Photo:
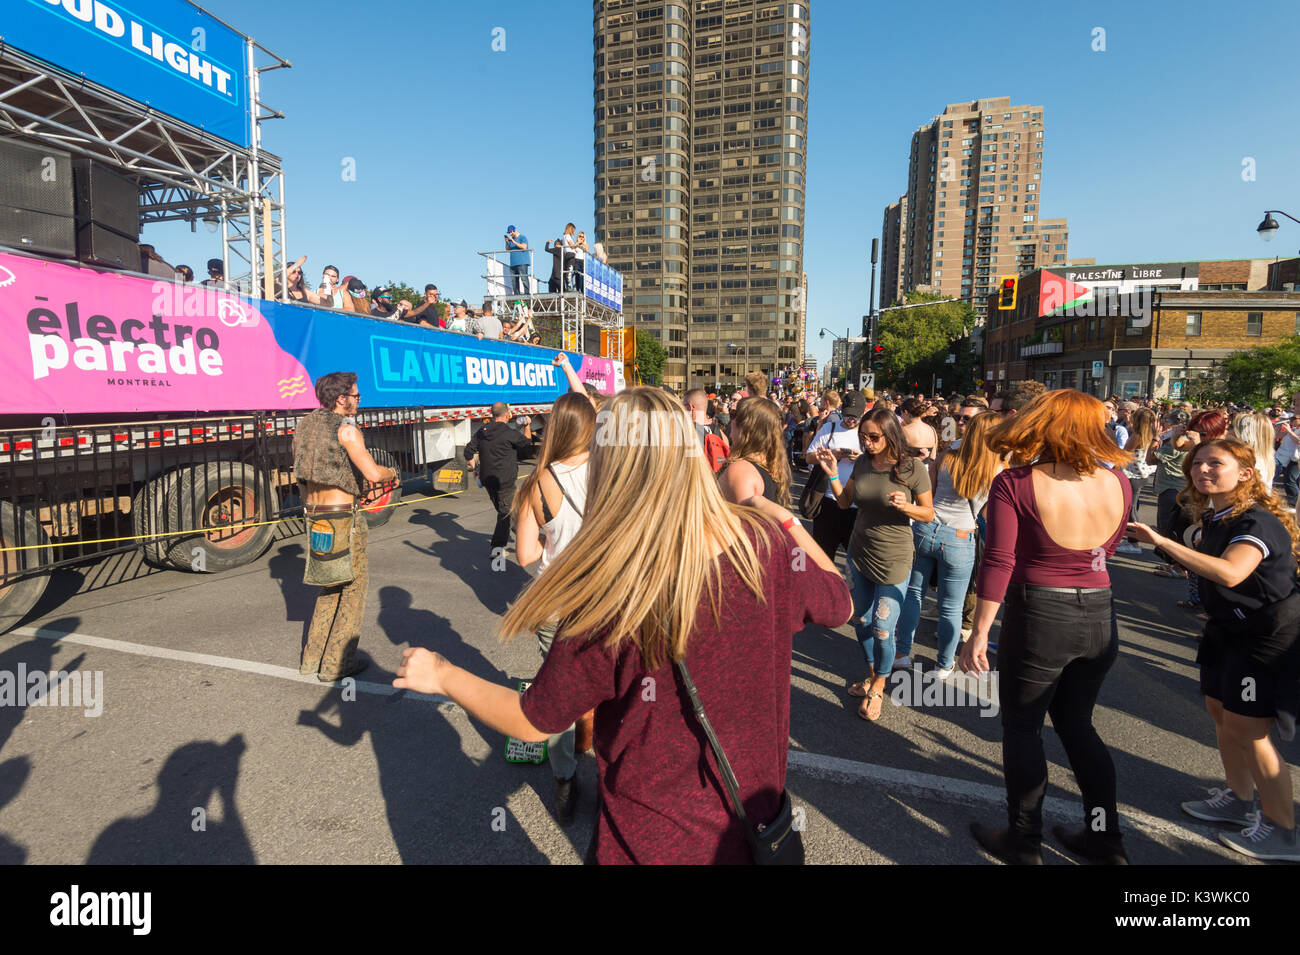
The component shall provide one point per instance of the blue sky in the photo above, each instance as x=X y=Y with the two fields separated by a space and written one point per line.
x=452 y=141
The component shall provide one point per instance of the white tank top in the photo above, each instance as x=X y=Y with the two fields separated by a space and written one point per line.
x=565 y=523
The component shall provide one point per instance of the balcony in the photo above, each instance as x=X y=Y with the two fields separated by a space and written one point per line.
x=1043 y=348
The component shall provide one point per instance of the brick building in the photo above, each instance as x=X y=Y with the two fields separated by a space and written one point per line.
x=1147 y=329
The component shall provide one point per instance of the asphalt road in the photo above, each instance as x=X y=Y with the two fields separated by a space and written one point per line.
x=211 y=748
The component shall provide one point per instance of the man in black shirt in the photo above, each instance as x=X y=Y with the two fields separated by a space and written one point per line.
x=556 y=249
x=497 y=446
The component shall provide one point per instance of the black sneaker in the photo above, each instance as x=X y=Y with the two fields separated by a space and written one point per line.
x=1006 y=846
x=566 y=799
x=1086 y=843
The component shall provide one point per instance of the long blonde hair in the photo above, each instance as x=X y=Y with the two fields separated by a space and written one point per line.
x=974 y=465
x=640 y=565
x=1256 y=432
x=1142 y=430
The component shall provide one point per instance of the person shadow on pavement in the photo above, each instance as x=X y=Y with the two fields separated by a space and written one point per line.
x=287 y=567
x=178 y=830
x=494 y=580
x=443 y=805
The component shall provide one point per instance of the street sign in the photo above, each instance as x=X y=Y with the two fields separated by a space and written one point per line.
x=868 y=380
x=938 y=385
x=979 y=382
x=1098 y=369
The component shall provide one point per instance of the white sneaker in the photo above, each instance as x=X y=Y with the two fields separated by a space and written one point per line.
x=903 y=663
x=942 y=673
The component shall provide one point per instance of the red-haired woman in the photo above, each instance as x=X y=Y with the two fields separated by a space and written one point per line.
x=1250 y=654
x=1054 y=516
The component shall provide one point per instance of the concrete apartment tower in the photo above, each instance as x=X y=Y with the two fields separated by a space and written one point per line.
x=700 y=147
x=971 y=213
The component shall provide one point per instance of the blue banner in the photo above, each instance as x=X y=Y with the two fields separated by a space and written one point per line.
x=602 y=284
x=165 y=54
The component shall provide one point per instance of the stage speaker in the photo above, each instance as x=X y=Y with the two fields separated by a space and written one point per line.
x=36 y=199
x=105 y=198
x=97 y=245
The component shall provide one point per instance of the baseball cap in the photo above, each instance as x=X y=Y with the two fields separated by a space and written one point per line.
x=509 y=229
x=462 y=304
x=854 y=405
x=1179 y=416
x=869 y=394
x=216 y=264
x=380 y=291
x=355 y=285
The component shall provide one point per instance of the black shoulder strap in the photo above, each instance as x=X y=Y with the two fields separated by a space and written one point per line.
x=555 y=477
x=546 y=510
x=728 y=777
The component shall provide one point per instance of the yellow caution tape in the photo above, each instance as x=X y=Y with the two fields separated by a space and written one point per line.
x=209 y=530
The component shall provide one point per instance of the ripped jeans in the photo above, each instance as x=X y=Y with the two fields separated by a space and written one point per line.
x=876 y=609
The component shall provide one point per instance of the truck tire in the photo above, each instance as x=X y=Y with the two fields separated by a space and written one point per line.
x=149 y=514
x=20 y=528
x=378 y=513
x=216 y=495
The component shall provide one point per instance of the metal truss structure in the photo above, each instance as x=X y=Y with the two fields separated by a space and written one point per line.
x=573 y=311
x=183 y=172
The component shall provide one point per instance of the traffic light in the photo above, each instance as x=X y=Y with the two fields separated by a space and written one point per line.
x=1007 y=294
x=878 y=357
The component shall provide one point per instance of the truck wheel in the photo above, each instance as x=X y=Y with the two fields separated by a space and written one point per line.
x=19 y=528
x=212 y=497
x=148 y=517
x=378 y=513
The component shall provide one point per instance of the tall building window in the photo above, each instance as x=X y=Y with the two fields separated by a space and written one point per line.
x=1254 y=324
x=1193 y=323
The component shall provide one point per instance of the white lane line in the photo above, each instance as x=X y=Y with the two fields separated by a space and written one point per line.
x=816 y=765
x=207 y=659
x=835 y=769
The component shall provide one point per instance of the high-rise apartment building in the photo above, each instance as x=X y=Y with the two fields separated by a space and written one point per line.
x=971 y=214
x=700 y=134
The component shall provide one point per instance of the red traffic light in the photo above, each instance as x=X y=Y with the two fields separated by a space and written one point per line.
x=1007 y=294
x=879 y=349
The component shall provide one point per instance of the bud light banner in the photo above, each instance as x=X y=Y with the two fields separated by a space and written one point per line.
x=79 y=340
x=602 y=284
x=166 y=54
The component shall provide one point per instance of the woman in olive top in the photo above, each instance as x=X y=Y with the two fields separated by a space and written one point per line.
x=890 y=488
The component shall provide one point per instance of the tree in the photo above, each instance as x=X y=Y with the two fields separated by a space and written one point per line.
x=1256 y=375
x=650 y=358
x=404 y=293
x=917 y=342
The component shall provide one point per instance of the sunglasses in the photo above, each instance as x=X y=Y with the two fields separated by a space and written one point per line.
x=873 y=438
x=967 y=417
x=356 y=396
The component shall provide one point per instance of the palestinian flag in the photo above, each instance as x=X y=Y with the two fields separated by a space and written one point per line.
x=1057 y=293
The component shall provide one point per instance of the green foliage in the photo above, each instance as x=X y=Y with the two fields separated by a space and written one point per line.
x=1257 y=375
x=404 y=292
x=650 y=357
x=918 y=340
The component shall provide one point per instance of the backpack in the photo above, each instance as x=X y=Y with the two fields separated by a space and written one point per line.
x=716 y=448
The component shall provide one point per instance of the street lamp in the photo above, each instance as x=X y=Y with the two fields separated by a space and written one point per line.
x=1268 y=228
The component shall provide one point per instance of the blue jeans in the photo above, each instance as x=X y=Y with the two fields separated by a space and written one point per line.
x=1290 y=473
x=519 y=279
x=875 y=615
x=939 y=545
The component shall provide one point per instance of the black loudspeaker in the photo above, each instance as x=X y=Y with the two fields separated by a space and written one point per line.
x=105 y=198
x=99 y=246
x=36 y=199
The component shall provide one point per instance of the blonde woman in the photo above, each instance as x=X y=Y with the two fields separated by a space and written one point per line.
x=1256 y=432
x=947 y=543
x=662 y=570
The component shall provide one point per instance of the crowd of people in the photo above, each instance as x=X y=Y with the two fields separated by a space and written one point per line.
x=1008 y=506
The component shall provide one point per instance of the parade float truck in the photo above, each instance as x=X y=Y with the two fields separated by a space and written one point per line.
x=159 y=415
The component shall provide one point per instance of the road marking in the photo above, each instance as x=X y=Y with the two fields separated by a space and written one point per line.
x=815 y=765
x=835 y=769
x=207 y=659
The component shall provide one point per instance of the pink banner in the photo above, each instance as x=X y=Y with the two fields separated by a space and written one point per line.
x=77 y=339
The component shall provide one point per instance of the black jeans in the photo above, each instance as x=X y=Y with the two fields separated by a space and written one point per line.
x=503 y=497
x=833 y=526
x=1054 y=651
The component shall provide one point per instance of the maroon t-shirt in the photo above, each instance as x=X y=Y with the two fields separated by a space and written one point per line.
x=662 y=796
